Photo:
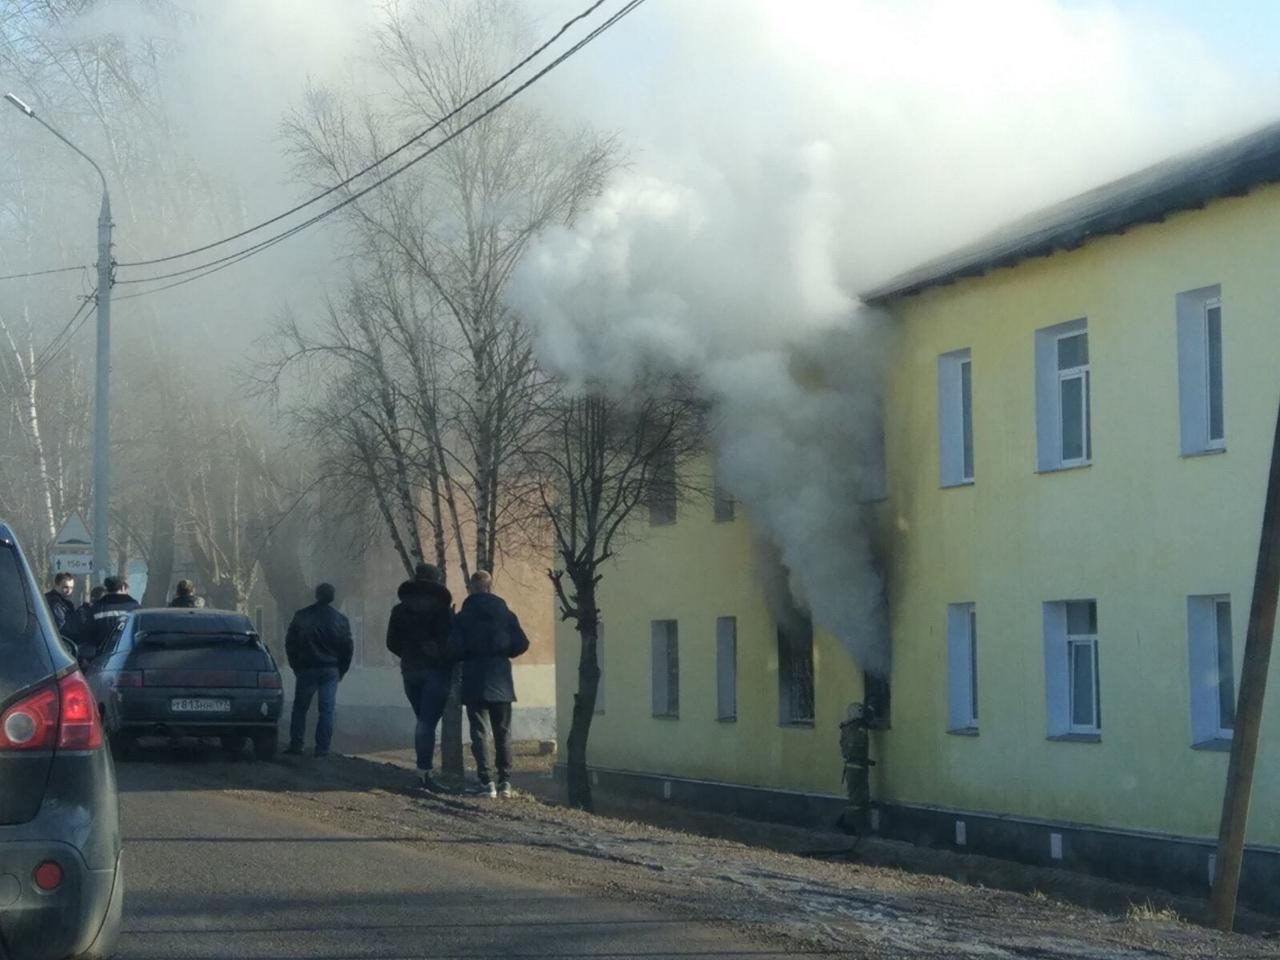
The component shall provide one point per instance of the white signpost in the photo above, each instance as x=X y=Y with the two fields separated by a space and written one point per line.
x=73 y=548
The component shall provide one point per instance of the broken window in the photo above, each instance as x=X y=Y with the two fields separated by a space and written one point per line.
x=795 y=672
x=662 y=491
x=665 y=644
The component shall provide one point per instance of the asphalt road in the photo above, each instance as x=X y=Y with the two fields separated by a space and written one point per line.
x=211 y=875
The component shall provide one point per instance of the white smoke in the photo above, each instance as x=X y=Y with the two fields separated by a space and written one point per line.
x=789 y=154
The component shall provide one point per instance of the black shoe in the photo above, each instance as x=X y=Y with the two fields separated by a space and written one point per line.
x=322 y=754
x=486 y=789
x=428 y=782
x=293 y=751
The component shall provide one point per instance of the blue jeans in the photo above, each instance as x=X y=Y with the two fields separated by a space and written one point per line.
x=428 y=691
x=313 y=680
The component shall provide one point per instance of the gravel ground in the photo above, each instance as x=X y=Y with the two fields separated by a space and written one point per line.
x=811 y=905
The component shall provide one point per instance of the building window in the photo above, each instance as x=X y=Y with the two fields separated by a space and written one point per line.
x=665 y=639
x=662 y=491
x=1200 y=373
x=600 y=664
x=955 y=417
x=1071 y=668
x=1212 y=661
x=795 y=673
x=962 y=667
x=1063 y=397
x=727 y=668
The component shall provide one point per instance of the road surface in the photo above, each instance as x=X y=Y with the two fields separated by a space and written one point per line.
x=217 y=875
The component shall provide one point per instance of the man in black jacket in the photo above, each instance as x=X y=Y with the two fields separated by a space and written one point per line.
x=104 y=616
x=486 y=637
x=184 y=596
x=418 y=633
x=319 y=648
x=60 y=605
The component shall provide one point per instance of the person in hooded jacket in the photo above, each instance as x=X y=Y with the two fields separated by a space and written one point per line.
x=487 y=636
x=60 y=605
x=105 y=615
x=418 y=633
x=184 y=596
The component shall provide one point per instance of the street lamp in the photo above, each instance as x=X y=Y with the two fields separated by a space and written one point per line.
x=101 y=448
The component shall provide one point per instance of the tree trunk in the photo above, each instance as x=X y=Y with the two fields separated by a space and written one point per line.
x=160 y=567
x=584 y=701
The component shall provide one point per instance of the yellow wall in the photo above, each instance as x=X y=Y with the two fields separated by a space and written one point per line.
x=1139 y=530
x=693 y=572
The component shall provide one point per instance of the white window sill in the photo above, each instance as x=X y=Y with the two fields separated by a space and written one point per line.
x=666 y=716
x=1206 y=452
x=1075 y=738
x=1066 y=468
x=964 y=732
x=726 y=719
x=1217 y=744
x=953 y=484
x=796 y=724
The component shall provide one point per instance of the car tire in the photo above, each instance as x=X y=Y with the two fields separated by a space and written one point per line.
x=122 y=745
x=266 y=745
x=232 y=747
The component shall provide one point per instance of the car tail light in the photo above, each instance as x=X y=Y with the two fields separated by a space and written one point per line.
x=62 y=716
x=269 y=680
x=48 y=876
x=31 y=723
x=128 y=678
x=81 y=728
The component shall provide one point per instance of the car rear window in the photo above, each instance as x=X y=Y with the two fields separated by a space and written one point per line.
x=24 y=657
x=186 y=638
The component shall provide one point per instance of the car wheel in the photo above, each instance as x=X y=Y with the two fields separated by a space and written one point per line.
x=122 y=745
x=232 y=747
x=265 y=745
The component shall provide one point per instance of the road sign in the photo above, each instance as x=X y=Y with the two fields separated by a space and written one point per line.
x=80 y=564
x=73 y=536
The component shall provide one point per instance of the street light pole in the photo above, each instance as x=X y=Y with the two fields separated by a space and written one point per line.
x=101 y=409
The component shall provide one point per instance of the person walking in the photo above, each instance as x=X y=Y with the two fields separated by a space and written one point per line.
x=105 y=615
x=184 y=596
x=60 y=605
x=319 y=648
x=487 y=636
x=418 y=633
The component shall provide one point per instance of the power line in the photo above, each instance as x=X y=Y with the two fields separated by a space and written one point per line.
x=65 y=336
x=564 y=28
x=213 y=266
x=43 y=273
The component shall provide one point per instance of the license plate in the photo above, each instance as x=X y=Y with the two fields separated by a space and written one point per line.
x=200 y=705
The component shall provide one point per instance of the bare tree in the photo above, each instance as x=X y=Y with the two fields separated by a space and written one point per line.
x=601 y=459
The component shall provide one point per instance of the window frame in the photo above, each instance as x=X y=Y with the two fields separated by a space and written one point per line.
x=1060 y=678
x=663 y=498
x=962 y=668
x=956 y=449
x=727 y=669
x=790 y=682
x=1195 y=371
x=670 y=664
x=1211 y=442
x=1079 y=372
x=1205 y=659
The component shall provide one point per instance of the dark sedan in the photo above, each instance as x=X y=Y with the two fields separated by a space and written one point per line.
x=61 y=883
x=188 y=673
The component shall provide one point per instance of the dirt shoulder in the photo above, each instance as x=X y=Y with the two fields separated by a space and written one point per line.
x=812 y=905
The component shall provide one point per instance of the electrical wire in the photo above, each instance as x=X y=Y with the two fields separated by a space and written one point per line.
x=43 y=273
x=205 y=269
x=65 y=336
x=564 y=28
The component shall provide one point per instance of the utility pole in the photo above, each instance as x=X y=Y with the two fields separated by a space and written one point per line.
x=1253 y=688
x=101 y=400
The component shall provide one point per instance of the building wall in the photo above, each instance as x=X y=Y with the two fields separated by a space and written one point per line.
x=1139 y=530
x=694 y=572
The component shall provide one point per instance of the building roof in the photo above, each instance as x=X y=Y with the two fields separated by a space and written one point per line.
x=1184 y=182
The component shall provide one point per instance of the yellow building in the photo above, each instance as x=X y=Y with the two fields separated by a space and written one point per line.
x=1078 y=424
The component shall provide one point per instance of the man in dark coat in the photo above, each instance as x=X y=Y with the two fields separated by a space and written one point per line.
x=486 y=637
x=319 y=648
x=418 y=633
x=60 y=605
x=105 y=615
x=84 y=615
x=184 y=595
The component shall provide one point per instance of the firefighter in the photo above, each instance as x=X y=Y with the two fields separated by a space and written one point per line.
x=855 y=746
